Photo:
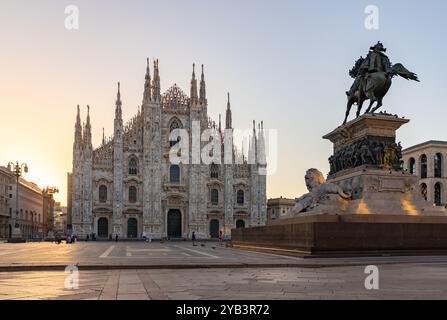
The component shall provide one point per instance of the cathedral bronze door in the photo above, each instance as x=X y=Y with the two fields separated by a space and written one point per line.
x=174 y=224
x=132 y=228
x=103 y=228
x=240 y=224
x=214 y=228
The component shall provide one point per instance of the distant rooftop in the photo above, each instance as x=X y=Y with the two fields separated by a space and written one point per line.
x=425 y=144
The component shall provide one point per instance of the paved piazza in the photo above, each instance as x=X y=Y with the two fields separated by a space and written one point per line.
x=177 y=270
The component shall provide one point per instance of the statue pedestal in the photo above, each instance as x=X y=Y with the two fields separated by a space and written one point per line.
x=367 y=164
x=347 y=235
x=385 y=214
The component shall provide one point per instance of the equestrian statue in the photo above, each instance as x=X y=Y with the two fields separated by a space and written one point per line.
x=373 y=76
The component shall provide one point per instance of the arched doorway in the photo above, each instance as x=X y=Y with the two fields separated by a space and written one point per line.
x=214 y=228
x=174 y=224
x=240 y=224
x=103 y=228
x=438 y=194
x=132 y=228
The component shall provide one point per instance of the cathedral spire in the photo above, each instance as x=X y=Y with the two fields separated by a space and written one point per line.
x=194 y=97
x=88 y=131
x=156 y=91
x=261 y=155
x=78 y=129
x=252 y=146
x=228 y=118
x=118 y=110
x=103 y=137
x=88 y=115
x=147 y=84
x=202 y=98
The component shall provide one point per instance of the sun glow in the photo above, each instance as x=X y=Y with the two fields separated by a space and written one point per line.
x=409 y=208
x=363 y=208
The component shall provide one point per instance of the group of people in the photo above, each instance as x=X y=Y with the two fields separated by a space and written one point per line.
x=147 y=238
x=194 y=238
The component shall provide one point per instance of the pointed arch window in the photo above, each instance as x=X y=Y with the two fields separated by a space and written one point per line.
x=423 y=166
x=133 y=166
x=174 y=174
x=102 y=194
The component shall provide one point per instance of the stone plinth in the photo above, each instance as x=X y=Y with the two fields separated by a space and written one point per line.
x=348 y=234
x=369 y=125
x=375 y=191
x=368 y=141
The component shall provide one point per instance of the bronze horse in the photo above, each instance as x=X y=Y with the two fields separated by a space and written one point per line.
x=374 y=87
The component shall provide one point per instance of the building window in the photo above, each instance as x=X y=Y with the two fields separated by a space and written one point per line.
x=174 y=174
x=240 y=197
x=438 y=165
x=174 y=125
x=438 y=194
x=412 y=166
x=133 y=166
x=214 y=197
x=424 y=191
x=423 y=166
x=132 y=194
x=214 y=171
x=102 y=194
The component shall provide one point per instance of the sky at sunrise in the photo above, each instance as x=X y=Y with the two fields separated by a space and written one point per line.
x=284 y=62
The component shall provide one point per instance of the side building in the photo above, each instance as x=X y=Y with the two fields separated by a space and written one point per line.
x=31 y=219
x=278 y=208
x=6 y=181
x=427 y=161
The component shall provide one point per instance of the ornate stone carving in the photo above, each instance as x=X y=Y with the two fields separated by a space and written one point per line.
x=370 y=151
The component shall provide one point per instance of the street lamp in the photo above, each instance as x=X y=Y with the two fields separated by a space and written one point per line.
x=17 y=170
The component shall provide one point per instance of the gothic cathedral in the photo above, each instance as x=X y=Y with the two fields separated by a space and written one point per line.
x=129 y=187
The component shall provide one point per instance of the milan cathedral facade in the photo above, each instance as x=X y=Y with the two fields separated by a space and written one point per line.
x=129 y=187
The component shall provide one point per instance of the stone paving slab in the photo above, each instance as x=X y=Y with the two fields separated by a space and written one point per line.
x=396 y=282
x=168 y=255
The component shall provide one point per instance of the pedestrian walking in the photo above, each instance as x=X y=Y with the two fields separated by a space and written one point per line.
x=220 y=237
x=116 y=237
x=193 y=237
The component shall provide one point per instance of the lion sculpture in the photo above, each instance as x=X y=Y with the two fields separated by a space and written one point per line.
x=320 y=193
